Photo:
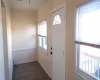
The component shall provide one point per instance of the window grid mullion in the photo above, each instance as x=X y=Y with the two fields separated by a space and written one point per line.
x=88 y=44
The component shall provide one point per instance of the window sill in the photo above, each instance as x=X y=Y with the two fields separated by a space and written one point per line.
x=80 y=75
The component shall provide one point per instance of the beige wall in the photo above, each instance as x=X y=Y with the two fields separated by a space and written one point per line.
x=44 y=58
x=57 y=3
x=44 y=12
x=24 y=35
x=70 y=57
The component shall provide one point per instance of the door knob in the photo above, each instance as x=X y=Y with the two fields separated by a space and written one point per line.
x=51 y=53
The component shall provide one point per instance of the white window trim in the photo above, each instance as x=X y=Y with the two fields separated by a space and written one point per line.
x=78 y=72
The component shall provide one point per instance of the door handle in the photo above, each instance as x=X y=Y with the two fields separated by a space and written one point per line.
x=51 y=53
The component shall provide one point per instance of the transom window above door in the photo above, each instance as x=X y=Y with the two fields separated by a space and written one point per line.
x=57 y=20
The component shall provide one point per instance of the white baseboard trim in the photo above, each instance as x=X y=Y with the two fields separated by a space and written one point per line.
x=22 y=49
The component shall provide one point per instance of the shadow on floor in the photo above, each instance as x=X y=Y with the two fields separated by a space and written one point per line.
x=30 y=71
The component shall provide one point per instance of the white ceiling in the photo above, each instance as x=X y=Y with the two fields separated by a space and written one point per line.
x=27 y=4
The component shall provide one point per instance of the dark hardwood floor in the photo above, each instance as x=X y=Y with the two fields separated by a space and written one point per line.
x=30 y=71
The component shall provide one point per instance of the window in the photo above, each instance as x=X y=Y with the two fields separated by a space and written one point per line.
x=57 y=20
x=88 y=40
x=42 y=34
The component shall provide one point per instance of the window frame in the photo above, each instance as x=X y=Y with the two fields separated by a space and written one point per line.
x=77 y=71
x=42 y=36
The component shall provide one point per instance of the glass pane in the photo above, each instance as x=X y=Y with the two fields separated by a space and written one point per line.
x=89 y=26
x=57 y=20
x=39 y=29
x=44 y=43
x=40 y=41
x=90 y=60
x=44 y=29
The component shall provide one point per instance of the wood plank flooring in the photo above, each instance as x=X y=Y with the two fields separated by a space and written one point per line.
x=30 y=71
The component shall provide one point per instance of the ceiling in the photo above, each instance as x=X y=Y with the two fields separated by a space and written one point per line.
x=27 y=4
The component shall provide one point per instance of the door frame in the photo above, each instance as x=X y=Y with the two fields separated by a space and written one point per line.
x=54 y=10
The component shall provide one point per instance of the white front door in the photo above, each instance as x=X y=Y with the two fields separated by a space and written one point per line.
x=58 y=44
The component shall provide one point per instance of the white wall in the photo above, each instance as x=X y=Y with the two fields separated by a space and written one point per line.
x=24 y=24
x=9 y=38
x=6 y=61
x=2 y=69
x=5 y=42
x=24 y=56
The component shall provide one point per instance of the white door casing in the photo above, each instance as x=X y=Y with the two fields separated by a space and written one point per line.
x=58 y=44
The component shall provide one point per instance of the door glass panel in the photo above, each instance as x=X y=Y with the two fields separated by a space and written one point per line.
x=57 y=20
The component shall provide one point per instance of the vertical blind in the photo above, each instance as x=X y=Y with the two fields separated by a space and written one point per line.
x=88 y=23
